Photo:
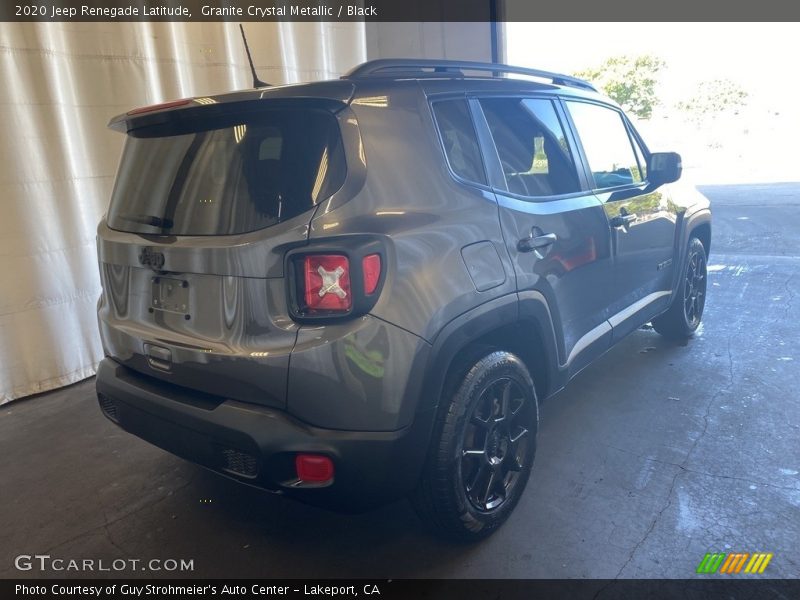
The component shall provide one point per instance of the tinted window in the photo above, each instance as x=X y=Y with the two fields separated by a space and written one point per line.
x=531 y=145
x=606 y=143
x=231 y=180
x=458 y=137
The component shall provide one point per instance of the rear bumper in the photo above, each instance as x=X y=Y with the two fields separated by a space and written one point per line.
x=257 y=445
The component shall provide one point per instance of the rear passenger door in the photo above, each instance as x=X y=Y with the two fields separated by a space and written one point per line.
x=555 y=229
x=641 y=221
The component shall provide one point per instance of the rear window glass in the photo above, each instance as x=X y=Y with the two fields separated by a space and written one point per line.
x=231 y=180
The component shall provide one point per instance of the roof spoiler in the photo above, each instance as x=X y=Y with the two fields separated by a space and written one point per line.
x=330 y=95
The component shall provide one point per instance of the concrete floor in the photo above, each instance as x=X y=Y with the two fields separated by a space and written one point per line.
x=652 y=457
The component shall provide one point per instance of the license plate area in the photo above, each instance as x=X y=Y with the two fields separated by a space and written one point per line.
x=171 y=295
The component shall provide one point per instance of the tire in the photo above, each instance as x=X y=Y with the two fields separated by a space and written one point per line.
x=684 y=314
x=482 y=451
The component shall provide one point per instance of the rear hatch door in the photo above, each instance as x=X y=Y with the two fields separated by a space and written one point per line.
x=207 y=200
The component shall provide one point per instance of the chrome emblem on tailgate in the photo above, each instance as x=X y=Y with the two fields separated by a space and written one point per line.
x=150 y=258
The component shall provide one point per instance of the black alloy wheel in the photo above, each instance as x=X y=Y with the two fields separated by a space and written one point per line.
x=495 y=444
x=683 y=316
x=694 y=288
x=482 y=449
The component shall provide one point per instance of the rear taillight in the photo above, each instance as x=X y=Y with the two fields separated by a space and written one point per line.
x=327 y=283
x=371 y=269
x=341 y=281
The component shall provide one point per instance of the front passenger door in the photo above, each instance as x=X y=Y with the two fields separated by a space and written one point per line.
x=641 y=221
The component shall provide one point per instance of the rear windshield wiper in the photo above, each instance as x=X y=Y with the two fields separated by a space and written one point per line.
x=151 y=220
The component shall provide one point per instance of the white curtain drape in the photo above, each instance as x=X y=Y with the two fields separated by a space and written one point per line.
x=59 y=85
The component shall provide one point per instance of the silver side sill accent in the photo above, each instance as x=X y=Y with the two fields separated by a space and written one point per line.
x=588 y=339
x=627 y=313
x=616 y=320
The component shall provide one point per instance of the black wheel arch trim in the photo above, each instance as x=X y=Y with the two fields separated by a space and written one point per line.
x=691 y=222
x=523 y=309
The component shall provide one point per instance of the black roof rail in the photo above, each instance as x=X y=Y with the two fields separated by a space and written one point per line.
x=407 y=66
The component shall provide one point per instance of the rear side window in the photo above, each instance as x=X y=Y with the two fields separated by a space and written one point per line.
x=459 y=139
x=532 y=146
x=607 y=145
x=232 y=180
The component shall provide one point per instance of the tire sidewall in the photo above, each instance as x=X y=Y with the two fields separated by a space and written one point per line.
x=695 y=246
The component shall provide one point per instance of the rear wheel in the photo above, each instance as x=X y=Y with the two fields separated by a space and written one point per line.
x=683 y=317
x=483 y=449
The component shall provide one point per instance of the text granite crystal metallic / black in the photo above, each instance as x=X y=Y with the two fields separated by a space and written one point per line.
x=356 y=290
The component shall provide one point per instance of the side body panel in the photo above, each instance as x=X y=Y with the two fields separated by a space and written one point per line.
x=430 y=225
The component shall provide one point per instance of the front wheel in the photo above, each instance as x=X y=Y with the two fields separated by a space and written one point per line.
x=482 y=451
x=684 y=314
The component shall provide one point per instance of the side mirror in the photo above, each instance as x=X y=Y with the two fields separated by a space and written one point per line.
x=664 y=167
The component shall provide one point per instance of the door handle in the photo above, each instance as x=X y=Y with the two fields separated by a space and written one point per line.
x=622 y=221
x=536 y=242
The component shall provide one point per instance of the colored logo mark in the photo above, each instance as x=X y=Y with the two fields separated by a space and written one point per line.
x=721 y=562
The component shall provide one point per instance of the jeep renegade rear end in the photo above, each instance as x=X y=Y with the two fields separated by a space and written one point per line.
x=346 y=292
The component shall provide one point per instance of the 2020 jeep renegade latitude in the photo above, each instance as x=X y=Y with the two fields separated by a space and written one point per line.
x=350 y=291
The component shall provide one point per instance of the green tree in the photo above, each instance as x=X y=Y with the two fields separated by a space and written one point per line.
x=712 y=98
x=629 y=81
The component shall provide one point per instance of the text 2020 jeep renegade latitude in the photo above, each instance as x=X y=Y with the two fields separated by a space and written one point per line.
x=349 y=291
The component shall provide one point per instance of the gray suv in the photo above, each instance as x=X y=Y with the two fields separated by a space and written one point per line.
x=356 y=290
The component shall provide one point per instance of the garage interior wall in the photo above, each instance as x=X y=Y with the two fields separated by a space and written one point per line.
x=61 y=83
x=456 y=41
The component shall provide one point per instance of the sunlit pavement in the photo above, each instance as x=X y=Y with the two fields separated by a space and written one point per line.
x=653 y=456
